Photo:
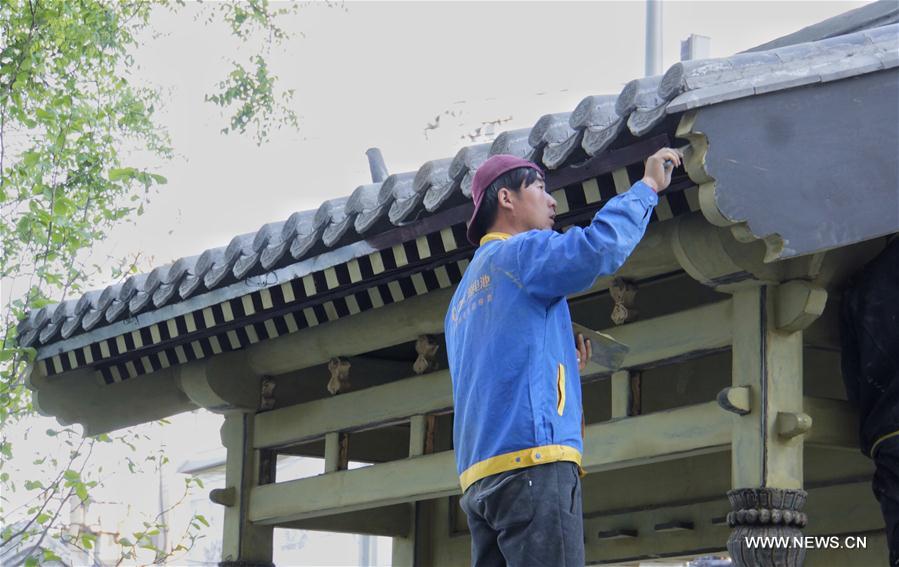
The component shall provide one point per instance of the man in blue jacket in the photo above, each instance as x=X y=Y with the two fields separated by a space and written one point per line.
x=518 y=426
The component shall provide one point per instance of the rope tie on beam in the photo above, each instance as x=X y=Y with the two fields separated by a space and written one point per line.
x=340 y=375
x=427 y=348
x=623 y=293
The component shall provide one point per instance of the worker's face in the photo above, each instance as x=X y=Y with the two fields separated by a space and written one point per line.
x=534 y=207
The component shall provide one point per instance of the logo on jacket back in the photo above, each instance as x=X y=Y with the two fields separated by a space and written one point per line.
x=478 y=293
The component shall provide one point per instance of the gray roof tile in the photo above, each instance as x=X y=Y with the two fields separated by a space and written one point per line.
x=514 y=142
x=249 y=263
x=398 y=183
x=168 y=290
x=466 y=162
x=434 y=172
x=95 y=315
x=220 y=272
x=598 y=119
x=301 y=231
x=193 y=279
x=552 y=139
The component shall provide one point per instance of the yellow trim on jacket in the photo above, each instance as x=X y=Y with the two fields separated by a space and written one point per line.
x=880 y=440
x=560 y=383
x=520 y=459
x=494 y=236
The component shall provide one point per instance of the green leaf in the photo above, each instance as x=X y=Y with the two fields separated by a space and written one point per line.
x=31 y=562
x=202 y=519
x=30 y=158
x=117 y=174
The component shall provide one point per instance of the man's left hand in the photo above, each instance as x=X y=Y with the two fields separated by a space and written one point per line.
x=584 y=350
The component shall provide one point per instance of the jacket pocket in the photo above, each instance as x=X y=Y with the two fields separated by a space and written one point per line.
x=560 y=383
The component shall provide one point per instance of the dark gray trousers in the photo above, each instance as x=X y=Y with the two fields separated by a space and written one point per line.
x=886 y=489
x=527 y=517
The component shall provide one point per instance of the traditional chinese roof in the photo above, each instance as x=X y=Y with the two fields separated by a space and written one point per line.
x=405 y=236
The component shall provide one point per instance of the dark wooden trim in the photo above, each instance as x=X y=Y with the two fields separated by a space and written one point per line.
x=605 y=162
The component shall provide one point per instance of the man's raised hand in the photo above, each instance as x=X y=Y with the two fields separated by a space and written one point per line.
x=657 y=172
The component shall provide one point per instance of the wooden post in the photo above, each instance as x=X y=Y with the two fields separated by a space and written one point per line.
x=625 y=394
x=766 y=471
x=421 y=442
x=417 y=435
x=336 y=451
x=244 y=543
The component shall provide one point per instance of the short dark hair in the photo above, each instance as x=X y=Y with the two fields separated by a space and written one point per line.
x=513 y=180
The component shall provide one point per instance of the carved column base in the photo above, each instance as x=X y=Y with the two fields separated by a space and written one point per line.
x=766 y=513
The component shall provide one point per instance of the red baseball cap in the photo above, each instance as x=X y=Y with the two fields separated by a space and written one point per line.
x=486 y=174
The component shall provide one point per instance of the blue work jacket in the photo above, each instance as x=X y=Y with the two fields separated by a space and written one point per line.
x=512 y=357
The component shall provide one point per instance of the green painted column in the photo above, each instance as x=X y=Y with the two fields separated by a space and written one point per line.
x=766 y=474
x=244 y=544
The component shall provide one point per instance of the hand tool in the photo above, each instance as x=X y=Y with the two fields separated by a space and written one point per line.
x=606 y=350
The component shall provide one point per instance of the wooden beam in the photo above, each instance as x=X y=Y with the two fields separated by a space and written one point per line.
x=652 y=342
x=379 y=445
x=220 y=385
x=672 y=338
x=379 y=405
x=834 y=423
x=371 y=330
x=617 y=444
x=389 y=521
x=690 y=430
x=626 y=442
x=406 y=480
x=81 y=396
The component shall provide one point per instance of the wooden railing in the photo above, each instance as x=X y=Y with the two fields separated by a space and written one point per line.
x=624 y=441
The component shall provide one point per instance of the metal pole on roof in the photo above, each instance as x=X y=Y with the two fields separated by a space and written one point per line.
x=653 y=37
x=376 y=165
